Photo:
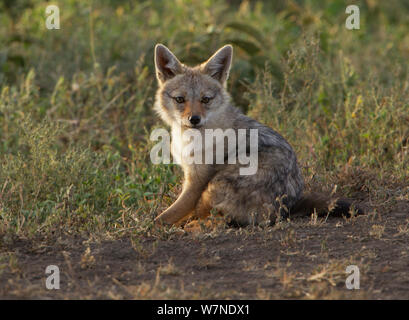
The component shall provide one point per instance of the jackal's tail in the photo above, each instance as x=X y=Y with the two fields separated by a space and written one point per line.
x=323 y=204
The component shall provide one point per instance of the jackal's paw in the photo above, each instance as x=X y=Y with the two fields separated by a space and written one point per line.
x=161 y=221
x=197 y=226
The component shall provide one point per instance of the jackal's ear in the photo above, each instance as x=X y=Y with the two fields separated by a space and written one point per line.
x=218 y=66
x=166 y=63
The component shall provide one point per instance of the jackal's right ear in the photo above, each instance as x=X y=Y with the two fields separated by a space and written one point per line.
x=166 y=63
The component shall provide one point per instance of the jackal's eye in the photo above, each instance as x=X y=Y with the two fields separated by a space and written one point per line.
x=179 y=99
x=205 y=100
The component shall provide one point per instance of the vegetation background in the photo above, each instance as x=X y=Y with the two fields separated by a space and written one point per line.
x=76 y=103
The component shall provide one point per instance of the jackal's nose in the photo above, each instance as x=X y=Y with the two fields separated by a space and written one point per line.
x=194 y=120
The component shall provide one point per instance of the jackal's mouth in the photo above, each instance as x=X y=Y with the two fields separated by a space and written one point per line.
x=191 y=126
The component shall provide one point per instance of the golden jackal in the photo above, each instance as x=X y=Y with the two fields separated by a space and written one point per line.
x=195 y=98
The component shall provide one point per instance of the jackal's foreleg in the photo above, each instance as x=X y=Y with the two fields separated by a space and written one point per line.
x=193 y=188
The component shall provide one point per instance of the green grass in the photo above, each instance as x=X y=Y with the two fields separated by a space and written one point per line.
x=76 y=103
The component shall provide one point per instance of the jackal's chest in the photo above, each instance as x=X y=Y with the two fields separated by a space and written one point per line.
x=187 y=147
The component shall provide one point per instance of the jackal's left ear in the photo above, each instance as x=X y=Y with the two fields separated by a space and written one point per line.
x=218 y=66
x=166 y=63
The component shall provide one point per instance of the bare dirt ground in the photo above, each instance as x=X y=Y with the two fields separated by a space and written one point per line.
x=301 y=259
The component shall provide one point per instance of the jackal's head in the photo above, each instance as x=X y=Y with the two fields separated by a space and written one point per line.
x=192 y=96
